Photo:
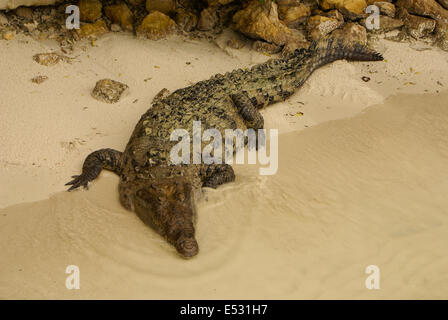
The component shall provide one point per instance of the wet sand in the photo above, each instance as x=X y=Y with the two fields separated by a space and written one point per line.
x=366 y=190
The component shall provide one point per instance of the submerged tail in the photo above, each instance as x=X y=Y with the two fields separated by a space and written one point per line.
x=329 y=49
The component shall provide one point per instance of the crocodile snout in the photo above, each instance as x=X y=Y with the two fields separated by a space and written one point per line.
x=187 y=247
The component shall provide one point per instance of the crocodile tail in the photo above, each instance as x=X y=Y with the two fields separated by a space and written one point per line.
x=328 y=50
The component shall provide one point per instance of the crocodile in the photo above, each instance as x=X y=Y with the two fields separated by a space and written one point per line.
x=163 y=194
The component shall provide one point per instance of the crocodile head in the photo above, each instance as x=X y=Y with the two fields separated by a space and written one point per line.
x=167 y=206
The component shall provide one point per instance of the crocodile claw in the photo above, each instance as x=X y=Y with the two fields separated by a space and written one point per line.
x=77 y=182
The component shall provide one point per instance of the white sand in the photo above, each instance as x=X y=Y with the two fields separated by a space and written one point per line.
x=349 y=193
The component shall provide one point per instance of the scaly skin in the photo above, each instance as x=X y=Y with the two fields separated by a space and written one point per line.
x=163 y=194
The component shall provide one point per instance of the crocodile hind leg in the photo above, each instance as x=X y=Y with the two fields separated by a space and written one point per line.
x=108 y=159
x=214 y=175
x=248 y=111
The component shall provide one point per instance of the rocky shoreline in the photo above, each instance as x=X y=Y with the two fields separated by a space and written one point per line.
x=265 y=25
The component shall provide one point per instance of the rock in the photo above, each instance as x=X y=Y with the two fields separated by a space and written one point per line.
x=428 y=8
x=396 y=35
x=291 y=47
x=287 y=3
x=226 y=13
x=9 y=35
x=3 y=20
x=335 y=14
x=186 y=20
x=319 y=26
x=312 y=4
x=165 y=6
x=386 y=8
x=156 y=25
x=293 y=14
x=386 y=24
x=12 y=4
x=416 y=26
x=136 y=3
x=39 y=79
x=89 y=10
x=115 y=27
x=260 y=21
x=219 y=2
x=351 y=32
x=24 y=12
x=370 y=2
x=120 y=14
x=349 y=8
x=93 y=30
x=48 y=59
x=208 y=19
x=235 y=43
x=109 y=91
x=441 y=35
x=31 y=26
x=265 y=47
x=443 y=3
x=299 y=42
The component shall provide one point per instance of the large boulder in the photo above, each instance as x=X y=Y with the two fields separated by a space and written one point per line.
x=12 y=4
x=349 y=8
x=416 y=26
x=208 y=19
x=386 y=8
x=156 y=25
x=428 y=8
x=386 y=24
x=444 y=3
x=93 y=30
x=319 y=26
x=293 y=13
x=120 y=14
x=185 y=19
x=441 y=35
x=351 y=33
x=3 y=20
x=259 y=20
x=219 y=2
x=165 y=6
x=90 y=10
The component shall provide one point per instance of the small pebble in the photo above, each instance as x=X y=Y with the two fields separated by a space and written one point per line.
x=365 y=79
x=39 y=79
x=8 y=35
x=109 y=91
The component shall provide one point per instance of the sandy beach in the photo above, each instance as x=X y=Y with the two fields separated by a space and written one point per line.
x=362 y=179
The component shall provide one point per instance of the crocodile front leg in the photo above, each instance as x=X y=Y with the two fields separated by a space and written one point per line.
x=248 y=111
x=108 y=159
x=214 y=175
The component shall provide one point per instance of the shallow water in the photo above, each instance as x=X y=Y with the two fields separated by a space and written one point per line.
x=369 y=190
